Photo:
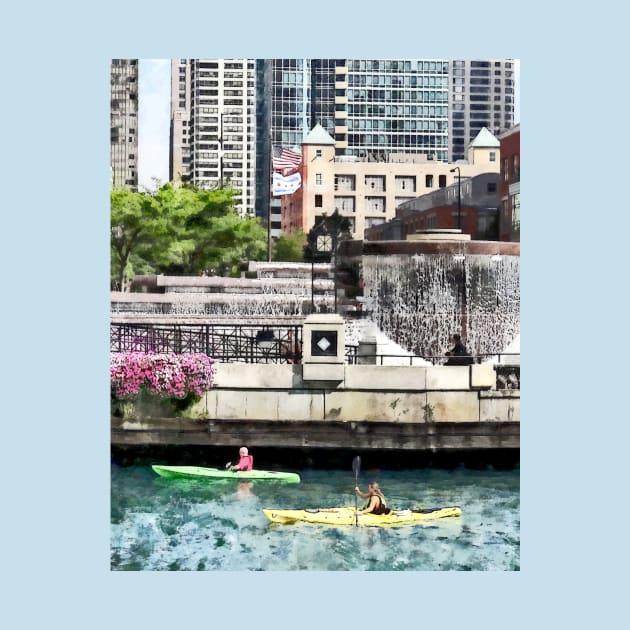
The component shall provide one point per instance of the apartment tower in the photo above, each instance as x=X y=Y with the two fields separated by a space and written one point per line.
x=228 y=115
x=213 y=126
x=124 y=123
x=481 y=95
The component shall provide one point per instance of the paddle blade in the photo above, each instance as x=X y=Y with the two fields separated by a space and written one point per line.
x=356 y=465
x=228 y=465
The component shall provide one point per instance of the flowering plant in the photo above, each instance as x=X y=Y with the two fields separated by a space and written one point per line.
x=167 y=375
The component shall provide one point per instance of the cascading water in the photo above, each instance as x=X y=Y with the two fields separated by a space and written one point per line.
x=280 y=290
x=421 y=300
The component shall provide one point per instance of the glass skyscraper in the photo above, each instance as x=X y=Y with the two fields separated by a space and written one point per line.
x=372 y=108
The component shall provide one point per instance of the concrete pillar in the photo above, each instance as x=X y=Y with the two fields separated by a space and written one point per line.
x=323 y=347
x=366 y=352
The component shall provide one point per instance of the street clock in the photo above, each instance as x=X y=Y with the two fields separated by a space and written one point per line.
x=324 y=243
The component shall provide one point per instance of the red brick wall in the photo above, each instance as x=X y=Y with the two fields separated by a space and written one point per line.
x=510 y=153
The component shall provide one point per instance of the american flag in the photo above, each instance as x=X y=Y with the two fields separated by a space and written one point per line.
x=287 y=161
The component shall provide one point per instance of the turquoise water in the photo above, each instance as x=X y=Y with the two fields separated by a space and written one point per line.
x=162 y=524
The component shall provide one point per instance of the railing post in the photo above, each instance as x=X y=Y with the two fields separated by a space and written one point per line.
x=366 y=353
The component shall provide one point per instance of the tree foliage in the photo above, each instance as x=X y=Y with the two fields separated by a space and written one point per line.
x=180 y=230
x=290 y=247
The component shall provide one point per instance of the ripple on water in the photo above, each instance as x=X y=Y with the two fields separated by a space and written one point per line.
x=160 y=525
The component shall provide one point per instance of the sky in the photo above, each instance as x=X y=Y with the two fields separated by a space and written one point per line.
x=154 y=115
x=154 y=82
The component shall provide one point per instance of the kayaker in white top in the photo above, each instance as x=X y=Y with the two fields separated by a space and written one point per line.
x=376 y=503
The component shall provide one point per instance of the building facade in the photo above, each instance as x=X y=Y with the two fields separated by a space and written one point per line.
x=470 y=205
x=179 y=145
x=482 y=93
x=369 y=107
x=367 y=192
x=510 y=185
x=124 y=123
x=213 y=126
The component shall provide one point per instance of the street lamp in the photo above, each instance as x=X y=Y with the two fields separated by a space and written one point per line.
x=221 y=150
x=459 y=196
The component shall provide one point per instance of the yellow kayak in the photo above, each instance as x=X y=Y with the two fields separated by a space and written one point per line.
x=347 y=516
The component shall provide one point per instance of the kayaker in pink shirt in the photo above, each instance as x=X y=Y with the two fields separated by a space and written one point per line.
x=246 y=461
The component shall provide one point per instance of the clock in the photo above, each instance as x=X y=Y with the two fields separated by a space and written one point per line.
x=324 y=243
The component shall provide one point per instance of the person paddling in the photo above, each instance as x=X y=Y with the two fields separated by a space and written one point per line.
x=376 y=503
x=246 y=461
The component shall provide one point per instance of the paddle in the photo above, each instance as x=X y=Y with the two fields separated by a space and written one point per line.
x=356 y=466
x=228 y=465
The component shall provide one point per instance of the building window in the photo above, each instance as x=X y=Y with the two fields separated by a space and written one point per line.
x=428 y=181
x=492 y=187
x=375 y=204
x=318 y=201
x=318 y=153
x=375 y=183
x=345 y=182
x=344 y=203
x=493 y=156
x=318 y=179
x=442 y=181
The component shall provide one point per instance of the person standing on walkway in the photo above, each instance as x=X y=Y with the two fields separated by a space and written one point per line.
x=458 y=353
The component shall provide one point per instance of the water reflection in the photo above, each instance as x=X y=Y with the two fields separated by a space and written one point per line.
x=244 y=490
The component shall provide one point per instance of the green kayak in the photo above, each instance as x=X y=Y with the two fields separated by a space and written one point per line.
x=197 y=472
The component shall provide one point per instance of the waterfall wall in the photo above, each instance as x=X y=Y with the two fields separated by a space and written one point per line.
x=420 y=293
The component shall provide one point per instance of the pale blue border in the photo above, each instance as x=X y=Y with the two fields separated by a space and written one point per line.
x=55 y=255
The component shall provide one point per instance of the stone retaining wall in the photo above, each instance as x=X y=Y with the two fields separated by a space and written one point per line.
x=414 y=408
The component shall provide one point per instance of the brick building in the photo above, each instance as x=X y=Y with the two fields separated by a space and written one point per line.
x=510 y=185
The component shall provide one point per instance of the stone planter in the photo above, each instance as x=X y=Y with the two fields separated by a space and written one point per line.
x=147 y=406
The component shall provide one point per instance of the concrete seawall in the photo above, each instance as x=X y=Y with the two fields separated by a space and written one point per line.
x=362 y=406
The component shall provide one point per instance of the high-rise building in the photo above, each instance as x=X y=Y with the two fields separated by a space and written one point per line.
x=179 y=145
x=481 y=95
x=369 y=106
x=372 y=108
x=213 y=125
x=393 y=106
x=124 y=123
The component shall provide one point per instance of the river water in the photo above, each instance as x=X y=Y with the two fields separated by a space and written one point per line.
x=162 y=524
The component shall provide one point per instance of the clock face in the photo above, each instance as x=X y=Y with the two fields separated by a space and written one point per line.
x=324 y=243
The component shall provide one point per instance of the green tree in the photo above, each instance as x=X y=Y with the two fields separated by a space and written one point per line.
x=290 y=247
x=181 y=230
x=137 y=229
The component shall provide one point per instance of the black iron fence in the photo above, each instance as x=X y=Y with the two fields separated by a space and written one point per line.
x=281 y=343
x=277 y=343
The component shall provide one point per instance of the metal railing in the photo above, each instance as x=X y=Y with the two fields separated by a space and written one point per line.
x=502 y=358
x=278 y=343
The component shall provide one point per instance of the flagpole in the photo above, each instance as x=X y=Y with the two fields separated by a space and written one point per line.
x=270 y=196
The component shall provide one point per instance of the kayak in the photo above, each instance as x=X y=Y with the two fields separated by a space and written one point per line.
x=347 y=516
x=197 y=472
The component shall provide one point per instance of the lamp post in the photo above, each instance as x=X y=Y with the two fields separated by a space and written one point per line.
x=221 y=150
x=324 y=246
x=459 y=196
